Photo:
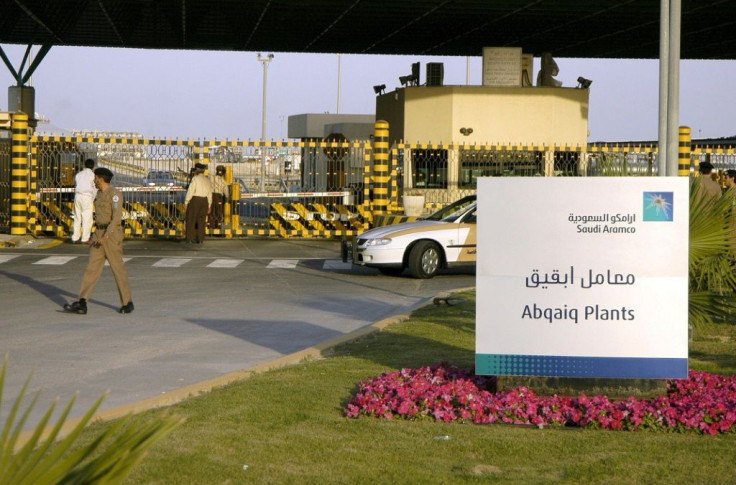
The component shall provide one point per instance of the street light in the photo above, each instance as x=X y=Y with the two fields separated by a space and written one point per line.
x=264 y=60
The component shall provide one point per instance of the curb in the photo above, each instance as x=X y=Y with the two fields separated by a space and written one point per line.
x=28 y=241
x=15 y=241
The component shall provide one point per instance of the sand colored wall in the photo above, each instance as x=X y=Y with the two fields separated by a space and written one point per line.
x=533 y=115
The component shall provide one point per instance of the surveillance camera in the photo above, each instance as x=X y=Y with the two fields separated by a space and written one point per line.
x=584 y=83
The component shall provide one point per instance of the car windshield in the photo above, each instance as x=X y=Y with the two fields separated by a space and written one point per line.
x=452 y=211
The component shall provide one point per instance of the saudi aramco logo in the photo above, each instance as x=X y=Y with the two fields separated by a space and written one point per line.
x=658 y=206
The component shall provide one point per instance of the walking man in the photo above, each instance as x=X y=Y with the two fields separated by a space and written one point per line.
x=105 y=244
x=84 y=198
x=197 y=205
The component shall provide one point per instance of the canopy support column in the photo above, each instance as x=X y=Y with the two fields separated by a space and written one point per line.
x=669 y=86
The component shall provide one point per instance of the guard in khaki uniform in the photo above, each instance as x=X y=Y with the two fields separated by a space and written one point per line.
x=197 y=204
x=105 y=244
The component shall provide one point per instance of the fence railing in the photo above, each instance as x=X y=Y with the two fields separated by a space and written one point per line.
x=311 y=188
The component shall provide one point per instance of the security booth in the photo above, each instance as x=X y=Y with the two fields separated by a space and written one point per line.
x=462 y=120
x=331 y=160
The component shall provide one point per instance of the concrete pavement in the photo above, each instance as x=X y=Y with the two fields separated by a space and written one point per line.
x=203 y=317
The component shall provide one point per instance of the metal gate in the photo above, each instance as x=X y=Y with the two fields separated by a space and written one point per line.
x=318 y=188
x=271 y=190
x=5 y=168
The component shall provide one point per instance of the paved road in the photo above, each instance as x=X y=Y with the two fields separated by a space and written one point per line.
x=200 y=314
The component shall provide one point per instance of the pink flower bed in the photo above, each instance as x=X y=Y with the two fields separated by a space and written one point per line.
x=704 y=403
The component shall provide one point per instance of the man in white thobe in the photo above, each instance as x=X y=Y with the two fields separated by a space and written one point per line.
x=84 y=198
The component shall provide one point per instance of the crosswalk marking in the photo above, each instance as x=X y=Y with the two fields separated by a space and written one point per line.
x=55 y=260
x=283 y=264
x=125 y=260
x=336 y=264
x=177 y=262
x=225 y=263
x=171 y=262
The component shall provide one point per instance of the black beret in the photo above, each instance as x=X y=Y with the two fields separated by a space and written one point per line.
x=103 y=172
x=200 y=166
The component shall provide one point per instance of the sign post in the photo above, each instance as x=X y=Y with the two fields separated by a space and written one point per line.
x=583 y=277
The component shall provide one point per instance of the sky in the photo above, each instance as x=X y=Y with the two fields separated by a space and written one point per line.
x=218 y=95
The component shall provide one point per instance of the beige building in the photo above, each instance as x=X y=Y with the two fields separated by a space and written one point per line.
x=518 y=115
x=464 y=119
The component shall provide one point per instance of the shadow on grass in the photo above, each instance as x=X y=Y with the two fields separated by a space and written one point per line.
x=397 y=350
x=725 y=363
x=455 y=313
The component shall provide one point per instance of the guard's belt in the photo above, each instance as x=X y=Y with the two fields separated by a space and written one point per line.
x=102 y=226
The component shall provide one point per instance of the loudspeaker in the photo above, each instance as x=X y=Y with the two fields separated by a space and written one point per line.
x=435 y=73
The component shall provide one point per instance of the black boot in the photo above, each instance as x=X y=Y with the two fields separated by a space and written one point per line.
x=127 y=308
x=79 y=307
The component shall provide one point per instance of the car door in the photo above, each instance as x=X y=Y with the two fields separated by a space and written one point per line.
x=463 y=248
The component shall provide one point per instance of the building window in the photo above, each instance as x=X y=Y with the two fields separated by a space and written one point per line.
x=498 y=163
x=429 y=169
x=566 y=164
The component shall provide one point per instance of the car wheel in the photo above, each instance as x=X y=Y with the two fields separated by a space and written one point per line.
x=391 y=271
x=424 y=260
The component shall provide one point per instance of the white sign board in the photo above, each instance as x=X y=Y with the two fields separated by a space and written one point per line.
x=502 y=66
x=582 y=277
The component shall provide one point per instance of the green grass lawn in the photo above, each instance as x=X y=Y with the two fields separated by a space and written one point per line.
x=289 y=426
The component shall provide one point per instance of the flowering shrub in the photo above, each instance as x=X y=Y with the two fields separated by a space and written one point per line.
x=704 y=403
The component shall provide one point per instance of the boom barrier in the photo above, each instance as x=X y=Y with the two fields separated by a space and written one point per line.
x=159 y=212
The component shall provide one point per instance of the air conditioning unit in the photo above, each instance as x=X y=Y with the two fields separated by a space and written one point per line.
x=435 y=73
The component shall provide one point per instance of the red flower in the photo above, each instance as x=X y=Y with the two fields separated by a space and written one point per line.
x=704 y=402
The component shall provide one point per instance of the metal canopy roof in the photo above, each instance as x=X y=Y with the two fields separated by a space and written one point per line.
x=567 y=28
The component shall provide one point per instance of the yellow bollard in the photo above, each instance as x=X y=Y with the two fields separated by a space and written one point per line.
x=683 y=152
x=381 y=174
x=19 y=175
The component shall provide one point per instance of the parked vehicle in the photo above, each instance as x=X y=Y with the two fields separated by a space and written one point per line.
x=159 y=178
x=445 y=239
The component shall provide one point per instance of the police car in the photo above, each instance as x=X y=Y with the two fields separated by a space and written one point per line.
x=445 y=239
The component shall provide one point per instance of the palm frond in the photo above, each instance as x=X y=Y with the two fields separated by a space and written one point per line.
x=712 y=288
x=108 y=459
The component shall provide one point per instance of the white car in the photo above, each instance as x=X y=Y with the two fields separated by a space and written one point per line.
x=445 y=239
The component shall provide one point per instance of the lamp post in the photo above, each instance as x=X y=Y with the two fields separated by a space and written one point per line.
x=264 y=60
